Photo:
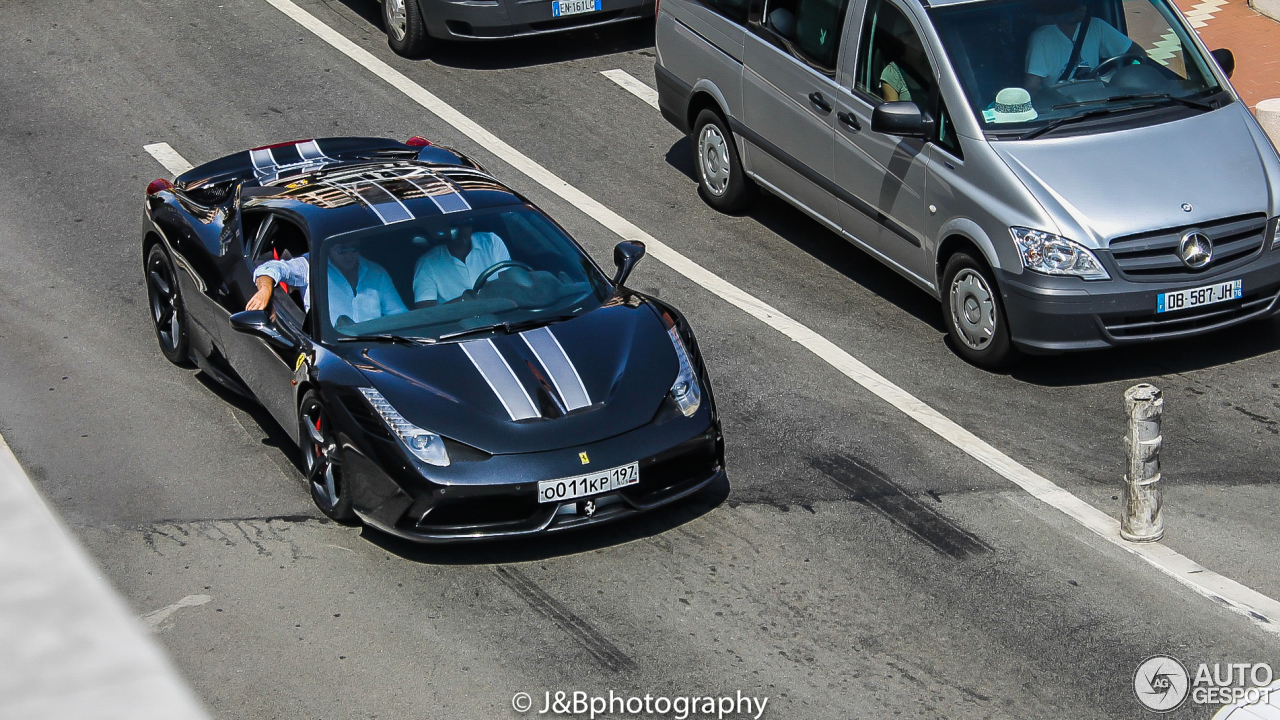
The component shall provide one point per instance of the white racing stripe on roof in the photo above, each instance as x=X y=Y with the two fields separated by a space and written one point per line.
x=501 y=379
x=550 y=353
x=383 y=203
x=310 y=151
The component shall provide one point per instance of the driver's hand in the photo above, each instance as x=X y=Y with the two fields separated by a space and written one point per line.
x=262 y=298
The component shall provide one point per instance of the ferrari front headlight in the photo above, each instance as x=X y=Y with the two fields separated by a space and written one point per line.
x=426 y=446
x=685 y=390
x=1051 y=254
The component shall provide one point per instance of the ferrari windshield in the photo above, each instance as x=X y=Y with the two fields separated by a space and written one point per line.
x=1026 y=64
x=452 y=274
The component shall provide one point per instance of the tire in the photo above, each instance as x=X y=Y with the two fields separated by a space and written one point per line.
x=320 y=457
x=974 y=313
x=721 y=180
x=406 y=28
x=164 y=300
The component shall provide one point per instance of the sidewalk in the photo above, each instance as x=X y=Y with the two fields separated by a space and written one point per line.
x=1253 y=37
x=71 y=649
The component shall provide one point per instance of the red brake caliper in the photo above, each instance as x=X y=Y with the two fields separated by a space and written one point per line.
x=317 y=447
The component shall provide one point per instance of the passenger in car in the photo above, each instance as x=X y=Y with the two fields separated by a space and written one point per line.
x=447 y=270
x=358 y=289
x=901 y=76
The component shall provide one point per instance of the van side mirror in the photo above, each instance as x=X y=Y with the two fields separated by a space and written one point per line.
x=1226 y=60
x=259 y=324
x=902 y=118
x=625 y=255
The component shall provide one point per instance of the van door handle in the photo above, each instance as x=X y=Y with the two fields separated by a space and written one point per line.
x=849 y=121
x=819 y=102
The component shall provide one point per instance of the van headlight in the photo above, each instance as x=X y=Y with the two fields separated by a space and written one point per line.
x=426 y=446
x=1053 y=255
x=685 y=390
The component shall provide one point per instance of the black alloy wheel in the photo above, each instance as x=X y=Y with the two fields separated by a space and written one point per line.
x=164 y=299
x=406 y=29
x=324 y=466
x=721 y=180
x=974 y=313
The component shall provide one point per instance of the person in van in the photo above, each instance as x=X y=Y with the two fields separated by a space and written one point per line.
x=900 y=78
x=1052 y=45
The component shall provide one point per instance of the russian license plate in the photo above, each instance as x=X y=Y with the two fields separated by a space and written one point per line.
x=560 y=8
x=1195 y=297
x=593 y=484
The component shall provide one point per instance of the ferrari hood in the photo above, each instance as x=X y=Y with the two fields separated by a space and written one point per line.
x=1118 y=183
x=570 y=383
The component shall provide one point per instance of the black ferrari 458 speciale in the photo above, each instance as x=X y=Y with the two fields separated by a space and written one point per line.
x=450 y=362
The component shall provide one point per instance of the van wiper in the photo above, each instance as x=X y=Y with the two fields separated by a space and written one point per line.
x=1139 y=96
x=507 y=327
x=389 y=338
x=1055 y=124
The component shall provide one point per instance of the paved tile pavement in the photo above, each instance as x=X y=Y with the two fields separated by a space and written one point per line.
x=1253 y=37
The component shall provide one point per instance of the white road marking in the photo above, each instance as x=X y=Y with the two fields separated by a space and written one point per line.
x=633 y=86
x=1243 y=600
x=153 y=619
x=168 y=157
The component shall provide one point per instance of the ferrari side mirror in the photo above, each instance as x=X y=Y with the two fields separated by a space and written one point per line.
x=625 y=255
x=258 y=323
x=1226 y=60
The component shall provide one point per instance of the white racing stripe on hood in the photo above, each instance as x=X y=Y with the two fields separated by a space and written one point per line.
x=501 y=378
x=546 y=347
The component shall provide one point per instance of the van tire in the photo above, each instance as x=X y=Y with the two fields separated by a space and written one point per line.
x=974 y=313
x=721 y=180
x=406 y=28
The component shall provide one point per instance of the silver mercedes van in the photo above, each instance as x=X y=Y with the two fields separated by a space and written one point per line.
x=1060 y=174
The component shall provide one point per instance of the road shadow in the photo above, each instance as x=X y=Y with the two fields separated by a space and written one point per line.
x=832 y=250
x=505 y=54
x=1166 y=357
x=571 y=542
x=273 y=436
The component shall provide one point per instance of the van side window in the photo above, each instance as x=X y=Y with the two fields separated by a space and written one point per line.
x=947 y=139
x=892 y=64
x=810 y=29
x=735 y=10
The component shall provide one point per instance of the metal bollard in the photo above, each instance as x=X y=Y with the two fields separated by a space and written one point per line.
x=1143 y=520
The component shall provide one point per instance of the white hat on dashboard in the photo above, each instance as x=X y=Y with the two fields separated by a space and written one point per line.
x=1013 y=105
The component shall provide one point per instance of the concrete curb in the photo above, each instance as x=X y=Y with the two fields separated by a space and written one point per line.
x=72 y=648
x=1270 y=8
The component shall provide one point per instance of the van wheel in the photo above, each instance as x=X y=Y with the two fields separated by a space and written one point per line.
x=974 y=314
x=406 y=30
x=720 y=178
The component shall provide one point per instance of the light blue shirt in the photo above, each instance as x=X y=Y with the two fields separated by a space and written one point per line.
x=442 y=277
x=373 y=297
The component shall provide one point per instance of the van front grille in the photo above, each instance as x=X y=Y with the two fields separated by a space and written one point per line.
x=1154 y=255
x=1155 y=325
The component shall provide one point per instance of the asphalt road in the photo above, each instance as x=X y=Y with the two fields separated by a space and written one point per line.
x=854 y=565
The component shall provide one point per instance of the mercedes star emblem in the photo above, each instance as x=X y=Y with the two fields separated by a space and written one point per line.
x=1195 y=250
x=1186 y=207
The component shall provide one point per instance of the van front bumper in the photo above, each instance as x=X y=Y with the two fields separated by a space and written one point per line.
x=1057 y=314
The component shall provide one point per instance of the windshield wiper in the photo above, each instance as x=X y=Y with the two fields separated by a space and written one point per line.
x=388 y=337
x=1055 y=124
x=1139 y=96
x=507 y=327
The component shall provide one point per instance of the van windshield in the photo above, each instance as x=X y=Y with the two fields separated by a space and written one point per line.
x=1032 y=65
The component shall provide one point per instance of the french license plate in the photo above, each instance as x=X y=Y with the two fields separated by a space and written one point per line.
x=560 y=8
x=593 y=484
x=1195 y=297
